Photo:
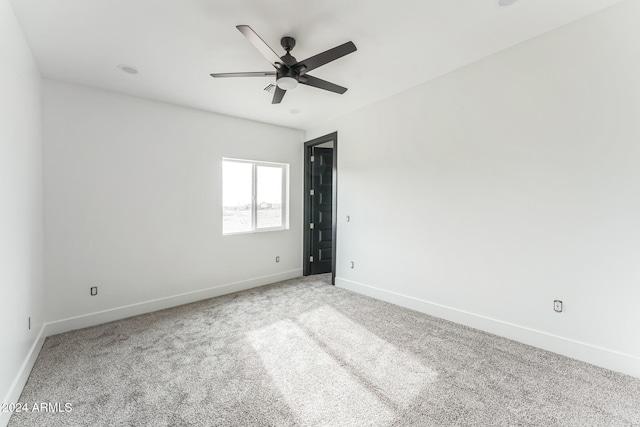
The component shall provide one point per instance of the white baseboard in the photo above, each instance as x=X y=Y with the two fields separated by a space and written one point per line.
x=97 y=318
x=23 y=374
x=605 y=358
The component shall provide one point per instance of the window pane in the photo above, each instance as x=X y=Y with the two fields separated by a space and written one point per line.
x=237 y=183
x=269 y=196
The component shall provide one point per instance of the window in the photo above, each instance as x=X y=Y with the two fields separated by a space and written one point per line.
x=254 y=196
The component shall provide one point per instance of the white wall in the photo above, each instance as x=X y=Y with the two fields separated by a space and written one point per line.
x=133 y=204
x=21 y=218
x=486 y=194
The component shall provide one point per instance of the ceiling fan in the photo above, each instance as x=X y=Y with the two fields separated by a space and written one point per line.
x=288 y=70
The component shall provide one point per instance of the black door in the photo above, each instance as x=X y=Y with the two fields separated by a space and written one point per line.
x=321 y=210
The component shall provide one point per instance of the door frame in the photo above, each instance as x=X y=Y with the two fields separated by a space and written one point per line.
x=308 y=146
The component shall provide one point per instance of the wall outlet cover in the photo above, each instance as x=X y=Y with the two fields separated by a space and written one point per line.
x=557 y=305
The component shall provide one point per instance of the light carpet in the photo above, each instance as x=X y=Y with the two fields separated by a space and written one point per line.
x=304 y=353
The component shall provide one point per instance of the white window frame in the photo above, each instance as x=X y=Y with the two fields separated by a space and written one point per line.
x=254 y=193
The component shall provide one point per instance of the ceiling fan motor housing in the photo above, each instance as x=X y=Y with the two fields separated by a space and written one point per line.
x=287 y=72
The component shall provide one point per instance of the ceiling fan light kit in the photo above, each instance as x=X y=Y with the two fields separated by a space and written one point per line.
x=289 y=72
x=287 y=83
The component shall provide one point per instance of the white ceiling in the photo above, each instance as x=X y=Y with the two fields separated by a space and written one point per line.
x=175 y=44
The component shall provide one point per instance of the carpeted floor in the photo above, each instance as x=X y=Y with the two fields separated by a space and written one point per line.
x=303 y=352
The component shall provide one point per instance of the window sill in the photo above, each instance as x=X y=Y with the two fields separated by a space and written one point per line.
x=262 y=230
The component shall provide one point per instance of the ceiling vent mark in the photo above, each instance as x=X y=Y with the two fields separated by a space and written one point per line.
x=270 y=88
x=129 y=69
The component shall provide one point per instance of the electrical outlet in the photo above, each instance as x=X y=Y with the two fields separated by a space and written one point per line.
x=557 y=306
x=353 y=265
x=277 y=259
x=94 y=291
x=29 y=322
x=348 y=218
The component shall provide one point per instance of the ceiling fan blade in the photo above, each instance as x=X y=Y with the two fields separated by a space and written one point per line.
x=249 y=74
x=322 y=84
x=278 y=95
x=324 y=57
x=259 y=44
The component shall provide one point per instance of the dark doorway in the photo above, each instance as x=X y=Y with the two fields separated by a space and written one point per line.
x=320 y=205
x=321 y=224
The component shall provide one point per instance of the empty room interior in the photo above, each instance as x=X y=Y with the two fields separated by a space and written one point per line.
x=285 y=213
